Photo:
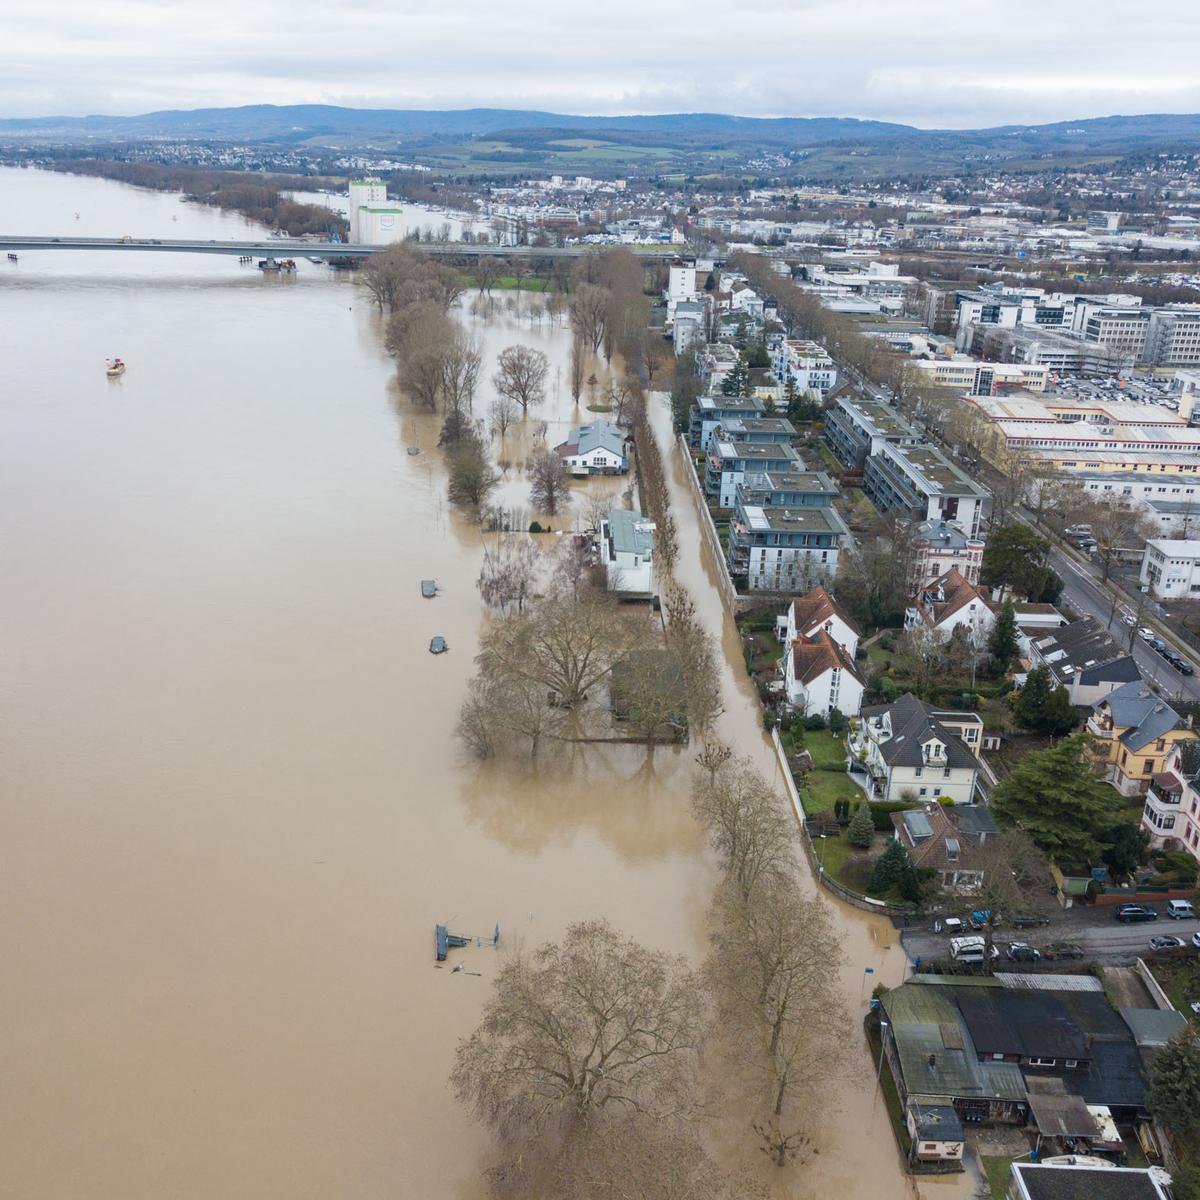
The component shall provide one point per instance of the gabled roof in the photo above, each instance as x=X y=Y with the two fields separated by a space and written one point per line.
x=1084 y=647
x=595 y=435
x=933 y=839
x=813 y=656
x=1139 y=713
x=913 y=724
x=814 y=608
x=946 y=595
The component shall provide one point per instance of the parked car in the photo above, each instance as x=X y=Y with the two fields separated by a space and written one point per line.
x=1180 y=910
x=1156 y=643
x=1196 y=939
x=1022 y=952
x=1183 y=666
x=1029 y=920
x=952 y=925
x=1147 y=635
x=1135 y=912
x=1166 y=942
x=1063 y=950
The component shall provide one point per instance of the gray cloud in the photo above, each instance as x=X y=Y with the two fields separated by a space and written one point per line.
x=977 y=62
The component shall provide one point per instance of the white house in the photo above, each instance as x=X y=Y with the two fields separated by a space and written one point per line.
x=819 y=677
x=817 y=611
x=909 y=749
x=949 y=603
x=627 y=553
x=1171 y=568
x=805 y=364
x=597 y=448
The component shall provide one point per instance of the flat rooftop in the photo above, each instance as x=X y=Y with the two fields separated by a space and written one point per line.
x=758 y=519
x=936 y=469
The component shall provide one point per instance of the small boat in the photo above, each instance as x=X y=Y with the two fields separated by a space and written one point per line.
x=429 y=588
x=114 y=368
x=439 y=645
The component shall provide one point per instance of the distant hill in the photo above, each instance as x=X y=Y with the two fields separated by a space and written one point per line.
x=488 y=139
x=269 y=120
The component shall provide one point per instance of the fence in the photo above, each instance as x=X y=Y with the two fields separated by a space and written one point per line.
x=708 y=530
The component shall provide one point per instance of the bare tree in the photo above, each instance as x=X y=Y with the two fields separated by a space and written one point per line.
x=420 y=336
x=503 y=412
x=568 y=644
x=462 y=361
x=654 y=354
x=712 y=758
x=925 y=658
x=580 y=1032
x=578 y=367
x=488 y=270
x=746 y=822
x=695 y=654
x=472 y=477
x=509 y=572
x=589 y=313
x=521 y=375
x=773 y=968
x=550 y=488
x=497 y=711
x=1115 y=528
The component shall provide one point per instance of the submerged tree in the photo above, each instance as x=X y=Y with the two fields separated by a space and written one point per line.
x=521 y=376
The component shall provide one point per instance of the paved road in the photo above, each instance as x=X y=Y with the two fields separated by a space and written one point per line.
x=1105 y=938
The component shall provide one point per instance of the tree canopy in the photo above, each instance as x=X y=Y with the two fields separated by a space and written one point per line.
x=1058 y=798
x=1044 y=707
x=1016 y=556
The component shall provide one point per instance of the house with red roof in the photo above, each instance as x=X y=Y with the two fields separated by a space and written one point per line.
x=949 y=603
x=819 y=676
x=817 y=610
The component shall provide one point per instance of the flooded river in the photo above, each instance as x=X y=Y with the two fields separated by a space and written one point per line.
x=232 y=805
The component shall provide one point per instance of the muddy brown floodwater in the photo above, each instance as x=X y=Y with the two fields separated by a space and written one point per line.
x=232 y=806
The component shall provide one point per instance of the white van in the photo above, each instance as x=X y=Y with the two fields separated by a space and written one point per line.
x=1180 y=910
x=967 y=949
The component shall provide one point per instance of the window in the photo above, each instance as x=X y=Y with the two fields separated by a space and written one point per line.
x=1042 y=1062
x=924 y=790
x=1148 y=767
x=1071 y=1063
x=946 y=773
x=918 y=771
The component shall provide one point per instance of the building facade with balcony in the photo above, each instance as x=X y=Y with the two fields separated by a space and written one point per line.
x=784 y=549
x=909 y=750
x=709 y=411
x=729 y=463
x=1172 y=813
x=923 y=483
x=1136 y=731
x=857 y=429
x=939 y=546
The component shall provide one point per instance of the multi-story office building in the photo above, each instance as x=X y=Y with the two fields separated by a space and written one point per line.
x=1173 y=337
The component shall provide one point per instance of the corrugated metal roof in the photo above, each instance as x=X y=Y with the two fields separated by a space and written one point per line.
x=1050 y=983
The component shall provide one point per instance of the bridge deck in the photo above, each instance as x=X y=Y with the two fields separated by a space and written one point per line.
x=291 y=248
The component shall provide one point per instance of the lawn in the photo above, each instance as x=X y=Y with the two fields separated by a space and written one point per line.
x=998 y=1170
x=827 y=750
x=1180 y=979
x=879 y=656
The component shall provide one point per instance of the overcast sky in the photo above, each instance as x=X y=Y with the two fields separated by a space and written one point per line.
x=925 y=62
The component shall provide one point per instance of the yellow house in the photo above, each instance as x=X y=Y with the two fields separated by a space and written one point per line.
x=1136 y=732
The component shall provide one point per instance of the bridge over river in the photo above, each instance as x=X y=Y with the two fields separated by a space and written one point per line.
x=278 y=248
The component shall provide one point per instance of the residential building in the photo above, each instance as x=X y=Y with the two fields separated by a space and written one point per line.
x=787 y=489
x=1081 y=657
x=819 y=677
x=597 y=448
x=1172 y=813
x=1085 y=1181
x=710 y=411
x=784 y=549
x=857 y=429
x=949 y=603
x=776 y=431
x=922 y=482
x=910 y=750
x=1137 y=732
x=938 y=547
x=818 y=611
x=1171 y=568
x=627 y=553
x=730 y=462
x=805 y=365
x=936 y=1133
x=948 y=840
x=688 y=325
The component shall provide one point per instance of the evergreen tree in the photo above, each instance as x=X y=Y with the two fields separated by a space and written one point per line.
x=1059 y=799
x=737 y=382
x=892 y=867
x=861 y=830
x=1173 y=1093
x=1002 y=647
x=1044 y=708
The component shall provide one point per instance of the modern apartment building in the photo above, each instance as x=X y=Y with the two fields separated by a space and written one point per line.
x=924 y=483
x=856 y=429
x=785 y=549
x=730 y=462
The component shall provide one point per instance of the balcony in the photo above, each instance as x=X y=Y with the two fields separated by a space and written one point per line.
x=1100 y=727
x=1165 y=792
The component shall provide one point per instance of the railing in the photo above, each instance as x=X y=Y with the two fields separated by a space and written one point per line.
x=1164 y=799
